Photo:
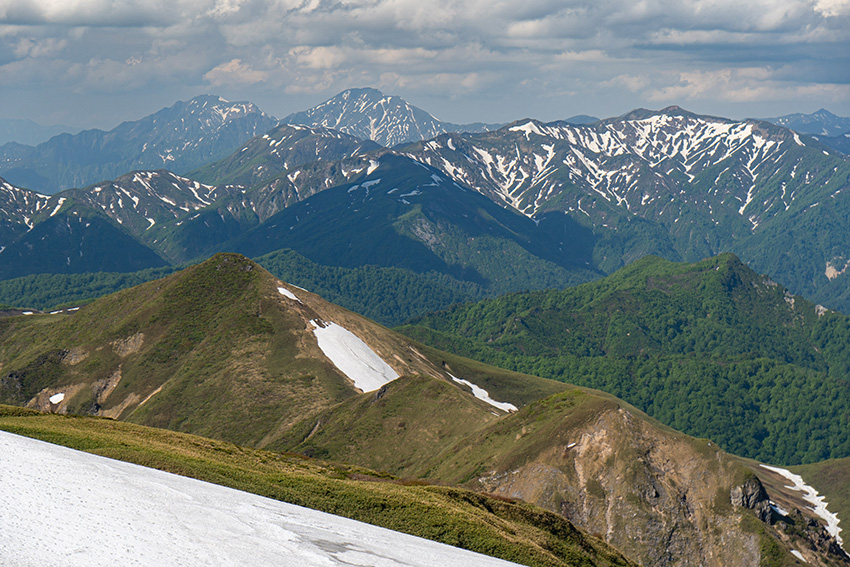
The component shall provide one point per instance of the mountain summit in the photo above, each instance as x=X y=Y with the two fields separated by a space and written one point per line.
x=179 y=138
x=369 y=114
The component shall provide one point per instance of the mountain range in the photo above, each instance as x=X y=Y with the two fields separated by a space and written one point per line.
x=824 y=126
x=181 y=137
x=819 y=123
x=596 y=197
x=225 y=350
x=705 y=185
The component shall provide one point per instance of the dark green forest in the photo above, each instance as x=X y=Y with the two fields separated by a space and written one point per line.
x=385 y=294
x=711 y=349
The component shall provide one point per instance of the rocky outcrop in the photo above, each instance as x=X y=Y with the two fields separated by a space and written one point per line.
x=660 y=497
x=752 y=495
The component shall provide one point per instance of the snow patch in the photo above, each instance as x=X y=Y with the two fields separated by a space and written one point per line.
x=58 y=206
x=57 y=398
x=373 y=165
x=810 y=495
x=528 y=128
x=798 y=555
x=352 y=356
x=482 y=394
x=286 y=293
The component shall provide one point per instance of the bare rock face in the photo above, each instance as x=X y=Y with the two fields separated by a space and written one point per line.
x=661 y=498
x=752 y=494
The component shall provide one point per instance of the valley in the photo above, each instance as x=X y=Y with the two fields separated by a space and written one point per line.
x=225 y=350
x=581 y=342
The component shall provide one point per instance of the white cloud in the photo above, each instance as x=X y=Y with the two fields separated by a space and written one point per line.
x=519 y=52
x=833 y=8
x=743 y=86
x=47 y=47
x=633 y=83
x=234 y=72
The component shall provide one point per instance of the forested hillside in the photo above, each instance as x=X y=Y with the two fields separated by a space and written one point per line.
x=710 y=348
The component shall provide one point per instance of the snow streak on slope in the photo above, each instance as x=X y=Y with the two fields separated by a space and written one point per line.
x=818 y=503
x=64 y=507
x=19 y=206
x=650 y=164
x=286 y=293
x=352 y=356
x=483 y=395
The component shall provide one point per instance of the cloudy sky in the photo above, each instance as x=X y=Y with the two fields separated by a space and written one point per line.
x=94 y=63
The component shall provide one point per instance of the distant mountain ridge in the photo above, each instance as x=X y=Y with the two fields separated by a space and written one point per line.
x=819 y=123
x=369 y=114
x=602 y=194
x=181 y=137
x=282 y=149
x=27 y=132
x=705 y=185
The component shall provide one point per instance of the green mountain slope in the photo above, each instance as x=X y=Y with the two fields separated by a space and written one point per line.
x=408 y=216
x=216 y=349
x=710 y=348
x=76 y=239
x=48 y=291
x=226 y=350
x=661 y=497
x=390 y=296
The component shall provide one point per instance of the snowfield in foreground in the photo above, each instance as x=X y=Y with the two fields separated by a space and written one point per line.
x=64 y=507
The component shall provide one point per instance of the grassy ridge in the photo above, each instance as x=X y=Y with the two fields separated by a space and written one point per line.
x=214 y=338
x=497 y=527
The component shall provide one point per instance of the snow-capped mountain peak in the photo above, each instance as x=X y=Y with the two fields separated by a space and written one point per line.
x=658 y=164
x=369 y=114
